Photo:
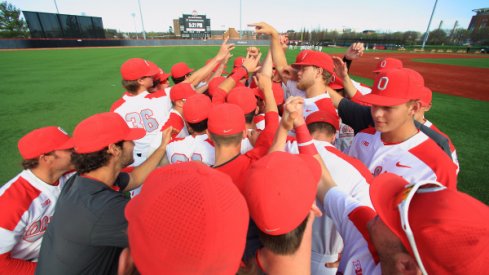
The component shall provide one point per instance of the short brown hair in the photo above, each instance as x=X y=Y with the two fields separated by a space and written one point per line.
x=285 y=244
x=30 y=163
x=226 y=140
x=326 y=77
x=132 y=86
x=321 y=126
x=85 y=163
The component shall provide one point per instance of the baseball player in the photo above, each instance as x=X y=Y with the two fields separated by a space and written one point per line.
x=140 y=108
x=196 y=213
x=419 y=228
x=89 y=230
x=395 y=144
x=28 y=200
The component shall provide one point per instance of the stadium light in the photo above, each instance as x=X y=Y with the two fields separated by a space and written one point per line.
x=428 y=28
x=135 y=29
x=142 y=23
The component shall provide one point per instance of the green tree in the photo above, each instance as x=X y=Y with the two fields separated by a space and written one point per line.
x=11 y=25
x=437 y=37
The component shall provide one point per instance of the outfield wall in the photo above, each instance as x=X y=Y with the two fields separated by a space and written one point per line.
x=70 y=43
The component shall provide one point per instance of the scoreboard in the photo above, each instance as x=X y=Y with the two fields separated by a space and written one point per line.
x=195 y=26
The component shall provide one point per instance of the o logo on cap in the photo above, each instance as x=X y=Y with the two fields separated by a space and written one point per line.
x=383 y=63
x=382 y=84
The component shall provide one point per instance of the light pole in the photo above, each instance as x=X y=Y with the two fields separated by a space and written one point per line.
x=428 y=28
x=240 y=18
x=135 y=29
x=55 y=4
x=142 y=23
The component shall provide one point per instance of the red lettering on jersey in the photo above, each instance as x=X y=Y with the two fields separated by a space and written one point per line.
x=358 y=267
x=36 y=229
x=365 y=143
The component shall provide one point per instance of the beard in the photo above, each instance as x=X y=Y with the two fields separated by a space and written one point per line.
x=303 y=85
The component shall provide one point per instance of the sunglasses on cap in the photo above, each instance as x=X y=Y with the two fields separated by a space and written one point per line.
x=405 y=199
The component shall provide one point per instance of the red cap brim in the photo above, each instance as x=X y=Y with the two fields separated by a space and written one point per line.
x=379 y=100
x=135 y=133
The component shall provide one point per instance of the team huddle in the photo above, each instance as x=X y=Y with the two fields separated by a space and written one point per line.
x=271 y=168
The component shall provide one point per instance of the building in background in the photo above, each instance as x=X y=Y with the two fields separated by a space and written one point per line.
x=479 y=20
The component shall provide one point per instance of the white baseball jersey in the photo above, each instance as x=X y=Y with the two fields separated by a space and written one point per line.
x=362 y=88
x=145 y=110
x=27 y=205
x=416 y=159
x=183 y=150
x=176 y=121
x=428 y=123
x=206 y=151
x=350 y=218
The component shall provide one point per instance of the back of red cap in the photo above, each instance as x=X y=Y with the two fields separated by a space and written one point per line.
x=244 y=97
x=226 y=119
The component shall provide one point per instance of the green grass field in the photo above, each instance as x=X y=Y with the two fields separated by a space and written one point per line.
x=468 y=62
x=62 y=87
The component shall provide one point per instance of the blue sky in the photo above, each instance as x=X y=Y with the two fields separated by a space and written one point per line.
x=359 y=15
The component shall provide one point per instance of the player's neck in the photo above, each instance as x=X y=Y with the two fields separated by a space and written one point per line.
x=401 y=134
x=47 y=176
x=225 y=154
x=106 y=174
x=315 y=90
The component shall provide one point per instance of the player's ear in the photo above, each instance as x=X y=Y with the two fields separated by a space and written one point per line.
x=126 y=264
x=414 y=107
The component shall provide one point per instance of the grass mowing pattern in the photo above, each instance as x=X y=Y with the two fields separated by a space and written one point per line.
x=468 y=62
x=62 y=87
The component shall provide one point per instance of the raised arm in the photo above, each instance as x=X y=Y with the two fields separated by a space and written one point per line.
x=278 y=54
x=199 y=75
x=341 y=71
x=139 y=174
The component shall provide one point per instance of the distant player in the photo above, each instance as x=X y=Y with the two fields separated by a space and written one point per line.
x=28 y=200
x=140 y=108
x=179 y=94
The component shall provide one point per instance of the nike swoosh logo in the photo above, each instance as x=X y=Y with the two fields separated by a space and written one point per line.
x=271 y=230
x=227 y=131
x=398 y=164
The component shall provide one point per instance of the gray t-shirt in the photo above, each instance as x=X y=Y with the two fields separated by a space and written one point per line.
x=88 y=230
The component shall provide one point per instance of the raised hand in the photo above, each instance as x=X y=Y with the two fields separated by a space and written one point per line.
x=263 y=28
x=354 y=51
x=340 y=67
x=224 y=50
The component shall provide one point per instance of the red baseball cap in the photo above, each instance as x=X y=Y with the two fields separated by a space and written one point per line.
x=280 y=189
x=395 y=87
x=136 y=68
x=450 y=228
x=318 y=59
x=42 y=141
x=278 y=93
x=226 y=119
x=238 y=61
x=197 y=108
x=301 y=55
x=188 y=219
x=427 y=97
x=100 y=130
x=180 y=69
x=181 y=91
x=387 y=64
x=336 y=82
x=244 y=97
x=161 y=75
x=325 y=115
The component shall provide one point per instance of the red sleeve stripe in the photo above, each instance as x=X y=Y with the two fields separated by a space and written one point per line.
x=357 y=164
x=117 y=104
x=15 y=201
x=360 y=217
x=443 y=167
